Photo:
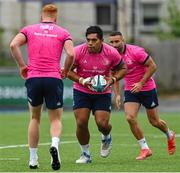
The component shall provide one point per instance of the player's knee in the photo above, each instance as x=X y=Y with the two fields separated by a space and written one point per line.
x=35 y=118
x=102 y=125
x=81 y=124
x=130 y=118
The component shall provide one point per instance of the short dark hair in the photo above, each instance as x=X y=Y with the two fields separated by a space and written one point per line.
x=114 y=33
x=95 y=30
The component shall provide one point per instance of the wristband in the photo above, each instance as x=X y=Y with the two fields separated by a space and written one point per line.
x=81 y=79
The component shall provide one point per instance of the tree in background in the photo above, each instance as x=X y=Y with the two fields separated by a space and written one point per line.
x=171 y=24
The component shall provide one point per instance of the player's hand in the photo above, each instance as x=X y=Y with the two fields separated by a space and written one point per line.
x=63 y=73
x=118 y=101
x=86 y=82
x=23 y=72
x=136 y=87
x=109 y=81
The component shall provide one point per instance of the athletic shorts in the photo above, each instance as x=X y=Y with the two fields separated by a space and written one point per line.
x=46 y=89
x=147 y=98
x=91 y=101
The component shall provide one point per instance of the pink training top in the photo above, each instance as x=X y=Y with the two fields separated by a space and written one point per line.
x=135 y=57
x=45 y=43
x=90 y=64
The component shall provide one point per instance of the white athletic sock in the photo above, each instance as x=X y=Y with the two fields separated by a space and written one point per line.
x=169 y=134
x=55 y=142
x=105 y=136
x=143 y=143
x=85 y=148
x=33 y=153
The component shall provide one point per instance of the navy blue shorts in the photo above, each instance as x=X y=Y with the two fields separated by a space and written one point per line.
x=45 y=88
x=91 y=101
x=147 y=98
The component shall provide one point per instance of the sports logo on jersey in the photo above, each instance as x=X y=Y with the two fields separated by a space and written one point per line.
x=46 y=27
x=129 y=61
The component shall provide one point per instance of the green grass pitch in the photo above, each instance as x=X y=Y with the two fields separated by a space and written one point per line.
x=14 y=154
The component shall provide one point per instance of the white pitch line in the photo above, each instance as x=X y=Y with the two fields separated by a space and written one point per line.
x=127 y=135
x=9 y=159
x=41 y=144
x=157 y=136
x=70 y=142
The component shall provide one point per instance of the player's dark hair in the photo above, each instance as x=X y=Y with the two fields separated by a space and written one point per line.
x=114 y=33
x=95 y=30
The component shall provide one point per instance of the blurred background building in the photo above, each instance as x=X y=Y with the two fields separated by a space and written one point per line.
x=136 y=19
x=142 y=22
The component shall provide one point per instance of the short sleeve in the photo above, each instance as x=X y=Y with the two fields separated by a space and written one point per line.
x=140 y=55
x=24 y=31
x=67 y=36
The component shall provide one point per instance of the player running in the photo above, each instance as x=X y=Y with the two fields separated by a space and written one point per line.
x=94 y=58
x=140 y=88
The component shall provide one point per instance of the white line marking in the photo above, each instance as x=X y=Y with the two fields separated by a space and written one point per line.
x=157 y=136
x=26 y=145
x=13 y=159
x=70 y=142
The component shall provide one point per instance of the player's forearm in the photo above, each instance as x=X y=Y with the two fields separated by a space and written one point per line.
x=120 y=73
x=116 y=88
x=68 y=46
x=15 y=44
x=73 y=76
x=16 y=53
x=68 y=63
x=149 y=72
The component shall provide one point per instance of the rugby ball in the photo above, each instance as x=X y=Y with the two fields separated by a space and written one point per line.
x=98 y=83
